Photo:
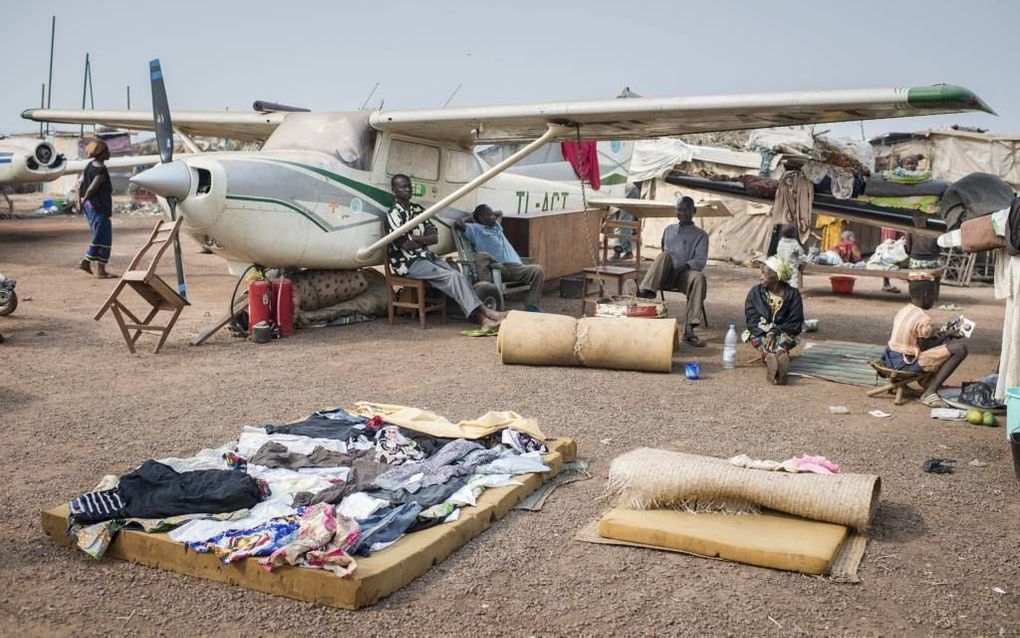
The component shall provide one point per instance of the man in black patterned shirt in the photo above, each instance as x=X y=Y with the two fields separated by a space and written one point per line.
x=410 y=256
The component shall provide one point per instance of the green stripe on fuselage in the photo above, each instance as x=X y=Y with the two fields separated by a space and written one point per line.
x=309 y=215
x=384 y=199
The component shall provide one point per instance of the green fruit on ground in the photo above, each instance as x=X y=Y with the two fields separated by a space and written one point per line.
x=975 y=416
x=989 y=419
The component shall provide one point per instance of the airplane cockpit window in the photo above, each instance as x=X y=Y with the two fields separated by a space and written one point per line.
x=461 y=167
x=345 y=136
x=420 y=161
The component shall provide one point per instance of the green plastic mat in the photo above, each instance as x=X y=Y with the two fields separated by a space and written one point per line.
x=838 y=361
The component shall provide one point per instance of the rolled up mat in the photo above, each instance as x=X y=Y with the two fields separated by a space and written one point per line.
x=626 y=344
x=537 y=339
x=646 y=345
x=652 y=479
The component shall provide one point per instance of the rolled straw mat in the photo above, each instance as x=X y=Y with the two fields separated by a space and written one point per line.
x=657 y=479
x=528 y=338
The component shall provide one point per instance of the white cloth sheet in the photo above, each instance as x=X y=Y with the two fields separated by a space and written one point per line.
x=1007 y=286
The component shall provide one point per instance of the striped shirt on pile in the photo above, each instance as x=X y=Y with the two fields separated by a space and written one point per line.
x=97 y=506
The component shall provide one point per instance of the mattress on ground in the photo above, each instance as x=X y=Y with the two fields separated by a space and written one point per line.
x=377 y=576
x=769 y=539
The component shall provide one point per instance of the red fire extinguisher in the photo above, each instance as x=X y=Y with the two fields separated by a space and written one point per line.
x=283 y=304
x=259 y=303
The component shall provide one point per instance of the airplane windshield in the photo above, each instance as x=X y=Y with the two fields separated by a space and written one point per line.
x=346 y=136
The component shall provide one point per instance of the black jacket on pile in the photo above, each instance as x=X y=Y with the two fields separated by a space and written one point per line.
x=789 y=319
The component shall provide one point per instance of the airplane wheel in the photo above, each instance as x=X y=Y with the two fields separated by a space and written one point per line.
x=9 y=306
x=489 y=294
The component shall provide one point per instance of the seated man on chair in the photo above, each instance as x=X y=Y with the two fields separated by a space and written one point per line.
x=486 y=235
x=916 y=345
x=410 y=256
x=680 y=266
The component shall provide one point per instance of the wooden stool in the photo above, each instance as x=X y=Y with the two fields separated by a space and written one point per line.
x=422 y=304
x=611 y=230
x=600 y=274
x=898 y=381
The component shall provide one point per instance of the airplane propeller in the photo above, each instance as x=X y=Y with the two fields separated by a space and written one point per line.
x=165 y=141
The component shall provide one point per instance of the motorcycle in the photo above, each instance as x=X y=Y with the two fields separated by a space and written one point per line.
x=8 y=298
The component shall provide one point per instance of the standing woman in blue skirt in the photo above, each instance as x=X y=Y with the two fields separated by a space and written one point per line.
x=95 y=200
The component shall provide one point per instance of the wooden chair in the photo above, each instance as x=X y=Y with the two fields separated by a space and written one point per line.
x=422 y=303
x=898 y=382
x=662 y=295
x=611 y=229
x=600 y=274
x=150 y=287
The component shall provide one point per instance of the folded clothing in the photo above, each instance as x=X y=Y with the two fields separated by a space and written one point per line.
x=274 y=454
x=155 y=490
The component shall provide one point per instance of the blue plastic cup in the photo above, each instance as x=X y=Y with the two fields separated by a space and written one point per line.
x=692 y=371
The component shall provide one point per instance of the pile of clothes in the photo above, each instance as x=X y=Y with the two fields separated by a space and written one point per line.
x=315 y=493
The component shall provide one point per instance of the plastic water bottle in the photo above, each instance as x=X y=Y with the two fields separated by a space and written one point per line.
x=729 y=351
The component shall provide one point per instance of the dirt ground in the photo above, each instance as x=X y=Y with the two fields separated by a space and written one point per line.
x=75 y=405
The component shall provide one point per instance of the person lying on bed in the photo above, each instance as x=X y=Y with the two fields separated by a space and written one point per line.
x=916 y=345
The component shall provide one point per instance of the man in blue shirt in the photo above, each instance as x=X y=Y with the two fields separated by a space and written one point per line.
x=486 y=236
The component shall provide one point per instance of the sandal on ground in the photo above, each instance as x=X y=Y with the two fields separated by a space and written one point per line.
x=480 y=332
x=694 y=341
x=771 y=368
x=890 y=289
x=783 y=367
x=934 y=401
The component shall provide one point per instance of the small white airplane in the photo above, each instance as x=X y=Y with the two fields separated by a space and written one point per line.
x=24 y=161
x=316 y=194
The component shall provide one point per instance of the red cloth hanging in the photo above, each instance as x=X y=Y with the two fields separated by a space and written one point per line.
x=584 y=157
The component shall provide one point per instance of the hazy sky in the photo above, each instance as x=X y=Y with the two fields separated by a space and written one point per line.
x=328 y=54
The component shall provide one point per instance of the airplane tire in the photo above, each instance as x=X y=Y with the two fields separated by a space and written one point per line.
x=489 y=294
x=12 y=303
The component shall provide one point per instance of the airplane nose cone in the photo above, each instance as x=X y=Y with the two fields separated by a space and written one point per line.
x=166 y=180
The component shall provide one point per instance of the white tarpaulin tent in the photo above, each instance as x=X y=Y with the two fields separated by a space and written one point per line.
x=960 y=153
x=733 y=238
x=952 y=154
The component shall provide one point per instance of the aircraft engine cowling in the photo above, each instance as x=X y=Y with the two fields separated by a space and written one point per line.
x=22 y=162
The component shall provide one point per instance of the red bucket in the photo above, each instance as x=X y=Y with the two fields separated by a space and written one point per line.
x=842 y=285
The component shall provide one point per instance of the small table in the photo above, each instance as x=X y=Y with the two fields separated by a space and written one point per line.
x=601 y=274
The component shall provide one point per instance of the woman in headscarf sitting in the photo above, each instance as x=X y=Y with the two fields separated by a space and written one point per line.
x=95 y=201
x=775 y=317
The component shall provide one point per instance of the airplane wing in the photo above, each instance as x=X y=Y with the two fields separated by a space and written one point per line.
x=647 y=117
x=648 y=208
x=127 y=161
x=249 y=127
